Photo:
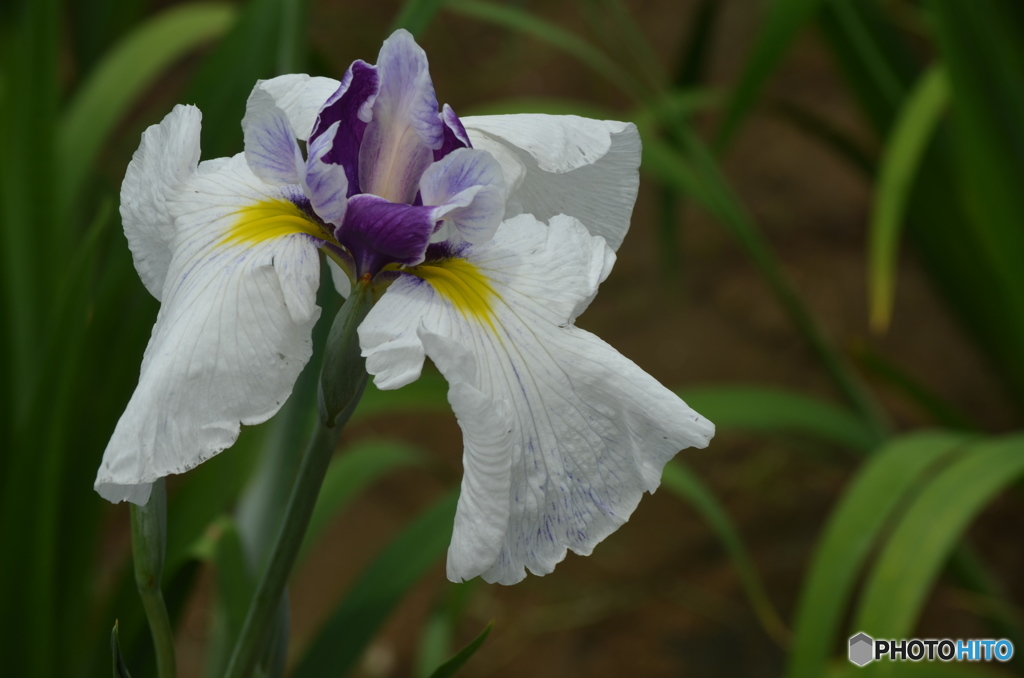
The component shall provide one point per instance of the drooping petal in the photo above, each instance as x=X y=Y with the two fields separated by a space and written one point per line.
x=300 y=97
x=379 y=232
x=350 y=107
x=165 y=159
x=468 y=187
x=233 y=332
x=271 y=148
x=590 y=431
x=398 y=143
x=455 y=136
x=565 y=164
x=325 y=183
x=482 y=516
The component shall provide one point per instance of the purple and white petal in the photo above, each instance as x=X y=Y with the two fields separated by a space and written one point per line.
x=469 y=189
x=165 y=159
x=399 y=142
x=351 y=108
x=455 y=135
x=326 y=184
x=300 y=97
x=271 y=148
x=588 y=169
x=590 y=431
x=233 y=332
x=379 y=232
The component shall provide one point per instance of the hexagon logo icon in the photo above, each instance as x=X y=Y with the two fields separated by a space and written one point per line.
x=862 y=649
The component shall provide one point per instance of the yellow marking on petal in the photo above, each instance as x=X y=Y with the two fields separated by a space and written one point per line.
x=462 y=285
x=269 y=219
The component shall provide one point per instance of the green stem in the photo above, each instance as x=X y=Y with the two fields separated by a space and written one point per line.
x=148 y=542
x=343 y=379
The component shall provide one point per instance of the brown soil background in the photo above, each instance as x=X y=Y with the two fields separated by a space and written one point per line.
x=660 y=597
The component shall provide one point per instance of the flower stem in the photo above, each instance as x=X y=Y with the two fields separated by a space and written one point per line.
x=344 y=387
x=149 y=530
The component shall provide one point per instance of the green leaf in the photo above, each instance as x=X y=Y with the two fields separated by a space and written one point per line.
x=429 y=393
x=915 y=126
x=235 y=585
x=206 y=493
x=698 y=174
x=416 y=15
x=120 y=669
x=913 y=557
x=874 y=495
x=435 y=641
x=981 y=48
x=522 y=21
x=452 y=666
x=250 y=51
x=351 y=473
x=684 y=484
x=772 y=410
x=785 y=20
x=925 y=669
x=381 y=586
x=124 y=75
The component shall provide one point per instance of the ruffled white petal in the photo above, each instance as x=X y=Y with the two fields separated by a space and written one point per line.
x=589 y=431
x=231 y=337
x=300 y=97
x=565 y=164
x=482 y=515
x=165 y=159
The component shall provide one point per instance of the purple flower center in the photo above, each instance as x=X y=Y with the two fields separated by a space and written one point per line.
x=386 y=169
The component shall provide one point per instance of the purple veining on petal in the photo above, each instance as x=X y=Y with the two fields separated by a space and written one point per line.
x=378 y=232
x=350 y=106
x=326 y=183
x=469 y=189
x=406 y=87
x=455 y=136
x=271 y=150
x=441 y=251
x=399 y=142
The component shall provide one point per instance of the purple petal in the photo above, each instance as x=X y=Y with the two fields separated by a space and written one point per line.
x=469 y=189
x=378 y=232
x=350 y=106
x=399 y=142
x=455 y=136
x=326 y=184
x=270 y=147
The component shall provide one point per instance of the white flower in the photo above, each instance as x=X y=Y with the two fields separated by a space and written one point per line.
x=493 y=234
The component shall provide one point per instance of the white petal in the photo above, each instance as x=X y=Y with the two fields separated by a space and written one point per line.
x=165 y=159
x=482 y=515
x=300 y=97
x=232 y=335
x=565 y=164
x=590 y=431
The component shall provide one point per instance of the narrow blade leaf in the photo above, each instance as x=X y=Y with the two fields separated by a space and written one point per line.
x=849 y=536
x=340 y=643
x=452 y=666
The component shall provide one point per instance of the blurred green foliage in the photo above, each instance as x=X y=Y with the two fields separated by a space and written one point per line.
x=947 y=101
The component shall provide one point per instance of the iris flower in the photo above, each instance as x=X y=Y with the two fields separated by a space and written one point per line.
x=491 y=236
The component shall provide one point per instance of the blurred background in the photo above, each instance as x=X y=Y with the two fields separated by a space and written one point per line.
x=825 y=259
